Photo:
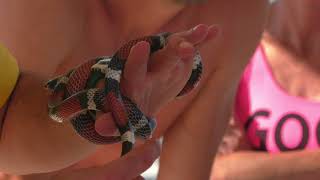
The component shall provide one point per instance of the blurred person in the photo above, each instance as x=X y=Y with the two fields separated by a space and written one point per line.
x=277 y=103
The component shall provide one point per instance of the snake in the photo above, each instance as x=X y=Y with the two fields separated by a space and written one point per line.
x=76 y=96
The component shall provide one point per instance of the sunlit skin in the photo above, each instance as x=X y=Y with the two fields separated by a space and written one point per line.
x=69 y=32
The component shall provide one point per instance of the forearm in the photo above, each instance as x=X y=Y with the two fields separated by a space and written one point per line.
x=186 y=151
x=260 y=165
x=190 y=142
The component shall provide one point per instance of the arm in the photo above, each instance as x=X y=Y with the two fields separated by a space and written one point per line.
x=261 y=165
x=193 y=140
x=127 y=168
x=31 y=142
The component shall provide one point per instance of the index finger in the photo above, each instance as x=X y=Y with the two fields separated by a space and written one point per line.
x=199 y=34
x=194 y=35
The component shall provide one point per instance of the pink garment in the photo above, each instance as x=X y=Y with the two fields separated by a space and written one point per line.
x=274 y=120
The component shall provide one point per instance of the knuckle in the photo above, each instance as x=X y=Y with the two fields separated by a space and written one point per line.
x=174 y=41
x=148 y=159
x=146 y=162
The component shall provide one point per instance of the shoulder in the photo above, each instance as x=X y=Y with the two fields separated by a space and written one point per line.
x=242 y=23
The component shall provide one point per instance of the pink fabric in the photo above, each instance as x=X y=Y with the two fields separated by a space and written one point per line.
x=274 y=120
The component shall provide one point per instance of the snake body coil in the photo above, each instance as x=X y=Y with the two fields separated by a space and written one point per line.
x=76 y=97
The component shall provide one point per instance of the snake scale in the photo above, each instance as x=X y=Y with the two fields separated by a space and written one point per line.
x=76 y=97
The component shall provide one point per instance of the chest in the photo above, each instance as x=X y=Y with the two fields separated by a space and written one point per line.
x=274 y=120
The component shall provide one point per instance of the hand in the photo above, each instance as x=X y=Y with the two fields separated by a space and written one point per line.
x=153 y=82
x=231 y=139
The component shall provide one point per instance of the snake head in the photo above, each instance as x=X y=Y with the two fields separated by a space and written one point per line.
x=57 y=83
x=156 y=43
x=51 y=84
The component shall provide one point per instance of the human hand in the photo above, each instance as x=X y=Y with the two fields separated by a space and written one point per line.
x=153 y=81
x=231 y=138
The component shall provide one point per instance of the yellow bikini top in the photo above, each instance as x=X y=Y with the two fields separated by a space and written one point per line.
x=9 y=73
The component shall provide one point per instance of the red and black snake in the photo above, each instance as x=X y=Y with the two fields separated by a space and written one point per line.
x=75 y=96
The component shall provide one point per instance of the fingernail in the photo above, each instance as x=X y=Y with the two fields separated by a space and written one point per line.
x=215 y=28
x=142 y=45
x=199 y=26
x=105 y=126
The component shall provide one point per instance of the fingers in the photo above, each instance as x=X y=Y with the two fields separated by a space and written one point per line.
x=199 y=34
x=139 y=178
x=126 y=168
x=177 y=50
x=105 y=125
x=213 y=32
x=194 y=35
x=135 y=70
x=178 y=47
x=167 y=59
x=137 y=161
x=181 y=47
x=137 y=62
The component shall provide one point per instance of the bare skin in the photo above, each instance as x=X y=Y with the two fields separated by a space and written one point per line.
x=224 y=60
x=149 y=84
x=291 y=40
x=126 y=168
